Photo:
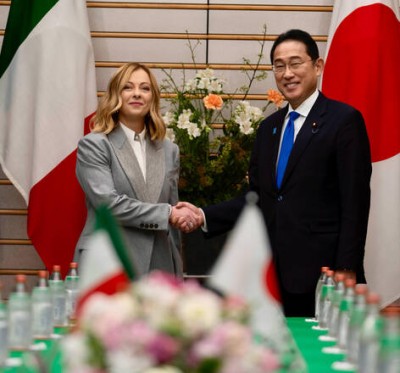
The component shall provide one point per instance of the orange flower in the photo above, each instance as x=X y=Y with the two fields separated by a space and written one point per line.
x=275 y=97
x=213 y=101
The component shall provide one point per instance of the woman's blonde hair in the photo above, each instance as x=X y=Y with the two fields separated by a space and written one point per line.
x=107 y=114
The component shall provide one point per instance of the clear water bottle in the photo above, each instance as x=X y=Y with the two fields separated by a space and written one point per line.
x=72 y=290
x=333 y=313
x=357 y=317
x=326 y=299
x=58 y=297
x=19 y=316
x=345 y=308
x=370 y=335
x=389 y=352
x=318 y=290
x=3 y=331
x=42 y=308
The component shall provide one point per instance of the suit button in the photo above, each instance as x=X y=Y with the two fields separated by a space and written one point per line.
x=151 y=226
x=280 y=198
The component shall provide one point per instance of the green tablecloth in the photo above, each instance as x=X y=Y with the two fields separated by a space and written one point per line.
x=305 y=337
x=307 y=340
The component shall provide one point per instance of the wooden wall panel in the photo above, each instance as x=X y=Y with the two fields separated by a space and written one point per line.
x=147 y=20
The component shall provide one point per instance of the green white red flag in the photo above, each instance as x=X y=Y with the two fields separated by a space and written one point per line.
x=362 y=69
x=106 y=267
x=47 y=93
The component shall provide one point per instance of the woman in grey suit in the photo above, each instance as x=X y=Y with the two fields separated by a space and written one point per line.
x=127 y=163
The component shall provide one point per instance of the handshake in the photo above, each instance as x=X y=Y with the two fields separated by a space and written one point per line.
x=186 y=217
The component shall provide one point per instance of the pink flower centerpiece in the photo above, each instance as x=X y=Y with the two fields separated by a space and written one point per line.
x=165 y=325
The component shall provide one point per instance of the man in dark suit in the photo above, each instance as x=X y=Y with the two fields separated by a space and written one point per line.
x=316 y=209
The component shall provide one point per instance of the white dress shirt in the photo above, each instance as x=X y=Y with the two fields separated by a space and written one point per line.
x=304 y=109
x=138 y=144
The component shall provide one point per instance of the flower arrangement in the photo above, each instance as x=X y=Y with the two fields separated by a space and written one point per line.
x=214 y=167
x=164 y=324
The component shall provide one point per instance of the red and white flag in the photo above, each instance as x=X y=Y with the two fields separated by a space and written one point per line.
x=362 y=70
x=245 y=268
x=47 y=93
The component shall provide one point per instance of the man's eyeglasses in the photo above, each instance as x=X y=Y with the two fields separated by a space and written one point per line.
x=280 y=67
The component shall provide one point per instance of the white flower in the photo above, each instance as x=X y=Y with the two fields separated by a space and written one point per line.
x=244 y=122
x=205 y=80
x=203 y=83
x=168 y=118
x=198 y=312
x=190 y=85
x=256 y=113
x=215 y=86
x=102 y=313
x=193 y=130
x=123 y=360
x=184 y=119
x=246 y=115
x=76 y=352
x=206 y=73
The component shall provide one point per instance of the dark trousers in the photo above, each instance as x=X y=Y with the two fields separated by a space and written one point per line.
x=298 y=305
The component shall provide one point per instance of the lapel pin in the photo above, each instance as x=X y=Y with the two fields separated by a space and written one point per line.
x=274 y=131
x=314 y=127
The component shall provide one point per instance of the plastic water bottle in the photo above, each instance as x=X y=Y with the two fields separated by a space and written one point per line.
x=370 y=335
x=72 y=290
x=345 y=307
x=19 y=316
x=357 y=317
x=333 y=313
x=389 y=352
x=318 y=290
x=326 y=299
x=58 y=297
x=42 y=308
x=3 y=332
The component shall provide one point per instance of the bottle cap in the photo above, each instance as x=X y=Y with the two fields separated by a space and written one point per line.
x=324 y=269
x=361 y=289
x=20 y=277
x=373 y=298
x=330 y=273
x=350 y=282
x=56 y=268
x=42 y=274
x=73 y=265
x=339 y=276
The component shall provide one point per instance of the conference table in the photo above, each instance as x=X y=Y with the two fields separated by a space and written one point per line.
x=307 y=343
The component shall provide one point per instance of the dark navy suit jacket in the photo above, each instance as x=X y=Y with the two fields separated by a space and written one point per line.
x=319 y=216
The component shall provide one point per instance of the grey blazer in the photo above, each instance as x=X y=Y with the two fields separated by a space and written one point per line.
x=109 y=173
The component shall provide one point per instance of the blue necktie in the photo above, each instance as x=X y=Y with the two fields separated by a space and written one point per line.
x=286 y=148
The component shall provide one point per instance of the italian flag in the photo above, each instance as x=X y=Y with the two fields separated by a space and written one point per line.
x=362 y=69
x=47 y=94
x=245 y=268
x=106 y=266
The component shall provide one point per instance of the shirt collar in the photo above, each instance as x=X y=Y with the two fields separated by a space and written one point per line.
x=132 y=134
x=306 y=105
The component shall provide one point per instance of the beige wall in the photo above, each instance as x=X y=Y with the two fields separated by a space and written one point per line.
x=156 y=35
